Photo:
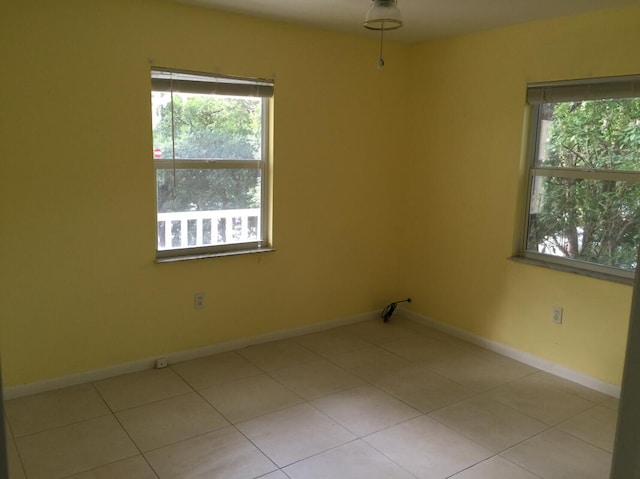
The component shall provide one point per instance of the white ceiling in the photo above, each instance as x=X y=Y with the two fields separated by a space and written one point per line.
x=423 y=19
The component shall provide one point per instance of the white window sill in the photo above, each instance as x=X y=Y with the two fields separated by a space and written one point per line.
x=574 y=270
x=173 y=259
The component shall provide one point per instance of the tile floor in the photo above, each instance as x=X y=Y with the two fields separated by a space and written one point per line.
x=366 y=401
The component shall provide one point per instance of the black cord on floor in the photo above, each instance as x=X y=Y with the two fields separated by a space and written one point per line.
x=388 y=311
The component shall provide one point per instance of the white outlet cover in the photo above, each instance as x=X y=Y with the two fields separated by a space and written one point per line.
x=199 y=300
x=556 y=315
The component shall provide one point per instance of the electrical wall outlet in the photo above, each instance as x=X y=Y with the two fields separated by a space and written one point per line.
x=161 y=363
x=198 y=301
x=556 y=315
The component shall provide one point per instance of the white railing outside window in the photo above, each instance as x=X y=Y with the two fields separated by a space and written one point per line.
x=204 y=228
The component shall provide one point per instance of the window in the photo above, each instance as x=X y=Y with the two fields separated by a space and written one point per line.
x=583 y=208
x=211 y=157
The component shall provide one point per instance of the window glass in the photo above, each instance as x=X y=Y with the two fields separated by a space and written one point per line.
x=207 y=126
x=592 y=134
x=596 y=221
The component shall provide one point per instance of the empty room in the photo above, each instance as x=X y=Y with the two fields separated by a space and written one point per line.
x=207 y=205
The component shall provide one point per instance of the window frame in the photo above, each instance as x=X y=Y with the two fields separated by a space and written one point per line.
x=539 y=94
x=221 y=85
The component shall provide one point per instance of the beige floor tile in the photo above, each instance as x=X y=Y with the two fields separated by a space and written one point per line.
x=495 y=468
x=213 y=370
x=14 y=465
x=476 y=373
x=372 y=380
x=515 y=369
x=355 y=460
x=556 y=455
x=331 y=342
x=421 y=348
x=224 y=453
x=295 y=433
x=596 y=426
x=71 y=449
x=540 y=399
x=250 y=397
x=434 y=333
x=423 y=389
x=274 y=475
x=132 y=468
x=377 y=331
x=569 y=387
x=422 y=328
x=171 y=420
x=49 y=410
x=317 y=378
x=612 y=403
x=277 y=355
x=371 y=363
x=489 y=423
x=365 y=409
x=131 y=390
x=427 y=449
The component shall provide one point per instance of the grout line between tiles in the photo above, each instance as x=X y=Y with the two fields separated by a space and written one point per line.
x=520 y=466
x=580 y=439
x=24 y=471
x=257 y=448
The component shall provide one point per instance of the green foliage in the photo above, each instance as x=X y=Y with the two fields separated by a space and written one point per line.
x=595 y=220
x=207 y=190
x=207 y=127
x=210 y=127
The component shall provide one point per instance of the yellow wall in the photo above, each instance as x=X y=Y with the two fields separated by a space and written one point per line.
x=79 y=287
x=464 y=181
x=387 y=183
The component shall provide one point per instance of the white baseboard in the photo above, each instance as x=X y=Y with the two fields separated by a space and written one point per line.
x=13 y=392
x=508 y=351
